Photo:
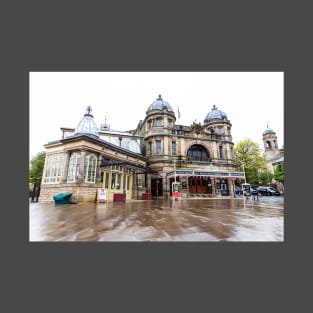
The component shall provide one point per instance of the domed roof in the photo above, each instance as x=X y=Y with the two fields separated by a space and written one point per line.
x=87 y=124
x=268 y=130
x=160 y=104
x=215 y=114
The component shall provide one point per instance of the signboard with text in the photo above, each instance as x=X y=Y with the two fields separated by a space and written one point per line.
x=102 y=195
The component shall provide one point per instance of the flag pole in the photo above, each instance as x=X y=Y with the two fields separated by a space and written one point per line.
x=178 y=114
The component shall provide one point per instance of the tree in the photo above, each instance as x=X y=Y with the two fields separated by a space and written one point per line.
x=36 y=166
x=247 y=155
x=279 y=172
x=265 y=178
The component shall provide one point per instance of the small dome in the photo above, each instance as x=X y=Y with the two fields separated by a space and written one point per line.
x=87 y=125
x=268 y=130
x=215 y=114
x=160 y=104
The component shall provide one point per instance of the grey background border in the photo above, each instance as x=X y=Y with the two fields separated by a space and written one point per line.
x=158 y=36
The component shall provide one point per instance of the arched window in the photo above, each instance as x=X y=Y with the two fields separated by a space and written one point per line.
x=73 y=167
x=197 y=153
x=90 y=168
x=268 y=144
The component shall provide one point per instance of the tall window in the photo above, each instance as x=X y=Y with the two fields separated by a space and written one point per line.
x=54 y=170
x=173 y=147
x=158 y=147
x=159 y=122
x=117 y=172
x=150 y=148
x=221 y=152
x=106 y=182
x=169 y=123
x=90 y=168
x=73 y=168
x=219 y=130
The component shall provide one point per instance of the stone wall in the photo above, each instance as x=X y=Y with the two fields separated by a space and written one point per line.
x=80 y=194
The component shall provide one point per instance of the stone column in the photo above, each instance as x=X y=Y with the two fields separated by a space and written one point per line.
x=67 y=161
x=98 y=170
x=230 y=186
x=213 y=186
x=81 y=175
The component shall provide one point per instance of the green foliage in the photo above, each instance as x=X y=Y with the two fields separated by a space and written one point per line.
x=247 y=154
x=265 y=178
x=279 y=172
x=36 y=166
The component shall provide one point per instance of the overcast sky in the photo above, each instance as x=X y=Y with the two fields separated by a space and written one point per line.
x=59 y=99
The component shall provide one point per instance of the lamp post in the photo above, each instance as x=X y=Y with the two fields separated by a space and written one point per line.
x=174 y=171
x=244 y=173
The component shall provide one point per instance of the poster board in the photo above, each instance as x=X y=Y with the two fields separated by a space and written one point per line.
x=101 y=195
x=176 y=191
x=246 y=189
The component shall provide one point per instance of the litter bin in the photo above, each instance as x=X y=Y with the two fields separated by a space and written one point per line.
x=62 y=198
x=119 y=197
x=147 y=196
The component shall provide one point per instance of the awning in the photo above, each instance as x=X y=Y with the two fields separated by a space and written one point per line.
x=212 y=173
x=138 y=169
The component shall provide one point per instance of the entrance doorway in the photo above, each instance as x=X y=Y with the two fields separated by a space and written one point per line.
x=156 y=187
x=198 y=184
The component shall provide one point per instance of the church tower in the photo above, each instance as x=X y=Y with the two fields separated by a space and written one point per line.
x=271 y=150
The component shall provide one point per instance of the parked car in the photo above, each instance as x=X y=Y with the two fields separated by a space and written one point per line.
x=267 y=191
x=239 y=191
x=253 y=191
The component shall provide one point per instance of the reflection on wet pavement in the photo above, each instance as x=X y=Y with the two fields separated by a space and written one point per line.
x=156 y=220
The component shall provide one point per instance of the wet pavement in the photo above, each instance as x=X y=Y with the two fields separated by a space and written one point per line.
x=160 y=220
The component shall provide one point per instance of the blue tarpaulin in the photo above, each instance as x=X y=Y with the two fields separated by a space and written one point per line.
x=62 y=198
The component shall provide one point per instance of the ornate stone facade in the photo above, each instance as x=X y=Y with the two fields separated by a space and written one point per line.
x=147 y=159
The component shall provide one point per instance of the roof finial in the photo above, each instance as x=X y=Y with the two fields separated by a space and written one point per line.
x=88 y=109
x=160 y=98
x=214 y=107
x=267 y=125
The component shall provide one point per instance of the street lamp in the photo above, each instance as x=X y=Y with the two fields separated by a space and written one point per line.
x=174 y=170
x=244 y=173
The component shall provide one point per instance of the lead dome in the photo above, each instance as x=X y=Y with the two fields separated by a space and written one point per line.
x=160 y=104
x=214 y=115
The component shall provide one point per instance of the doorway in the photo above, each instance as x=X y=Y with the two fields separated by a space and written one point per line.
x=199 y=184
x=156 y=187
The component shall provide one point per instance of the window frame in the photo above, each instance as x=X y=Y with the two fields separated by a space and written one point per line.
x=54 y=168
x=90 y=167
